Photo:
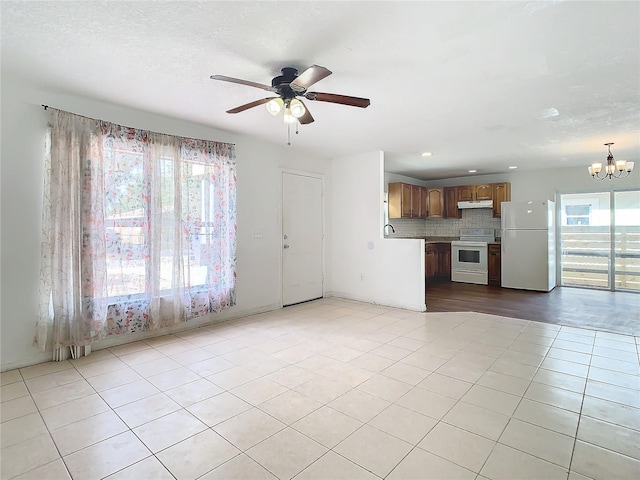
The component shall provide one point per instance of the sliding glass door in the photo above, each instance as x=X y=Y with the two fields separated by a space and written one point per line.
x=600 y=240
x=627 y=240
x=585 y=239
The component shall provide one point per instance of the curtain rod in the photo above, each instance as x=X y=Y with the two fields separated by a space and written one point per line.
x=188 y=138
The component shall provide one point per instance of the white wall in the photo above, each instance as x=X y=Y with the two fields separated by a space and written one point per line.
x=364 y=265
x=23 y=129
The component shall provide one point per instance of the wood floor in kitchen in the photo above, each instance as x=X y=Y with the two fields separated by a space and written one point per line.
x=617 y=312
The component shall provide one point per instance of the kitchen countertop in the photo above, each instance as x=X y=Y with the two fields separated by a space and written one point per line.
x=426 y=239
x=433 y=239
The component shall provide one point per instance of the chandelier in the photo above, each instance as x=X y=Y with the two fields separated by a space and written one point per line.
x=612 y=169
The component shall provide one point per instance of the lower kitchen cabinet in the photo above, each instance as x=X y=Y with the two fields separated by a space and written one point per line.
x=437 y=261
x=444 y=260
x=431 y=261
x=494 y=265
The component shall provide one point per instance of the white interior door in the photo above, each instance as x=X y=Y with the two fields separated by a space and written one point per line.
x=302 y=238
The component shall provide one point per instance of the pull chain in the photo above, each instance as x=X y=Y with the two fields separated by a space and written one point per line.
x=289 y=134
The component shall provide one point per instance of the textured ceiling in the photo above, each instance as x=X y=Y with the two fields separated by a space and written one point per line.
x=482 y=85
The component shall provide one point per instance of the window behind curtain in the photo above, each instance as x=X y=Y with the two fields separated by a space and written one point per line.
x=128 y=221
x=139 y=231
x=169 y=230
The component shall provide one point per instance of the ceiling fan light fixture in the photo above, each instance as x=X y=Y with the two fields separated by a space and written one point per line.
x=612 y=169
x=274 y=106
x=297 y=108
x=288 y=86
x=288 y=117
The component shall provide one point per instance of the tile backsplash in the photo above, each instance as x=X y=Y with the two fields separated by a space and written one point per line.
x=444 y=227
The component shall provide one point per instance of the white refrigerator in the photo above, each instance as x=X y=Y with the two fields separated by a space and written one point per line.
x=529 y=245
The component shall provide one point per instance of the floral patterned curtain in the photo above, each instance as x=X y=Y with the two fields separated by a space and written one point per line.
x=139 y=230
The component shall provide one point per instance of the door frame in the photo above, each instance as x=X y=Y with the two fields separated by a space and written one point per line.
x=320 y=176
x=612 y=267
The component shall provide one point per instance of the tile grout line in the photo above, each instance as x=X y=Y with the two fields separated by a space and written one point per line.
x=584 y=393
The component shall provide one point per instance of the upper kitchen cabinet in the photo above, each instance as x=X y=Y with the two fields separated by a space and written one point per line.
x=501 y=193
x=406 y=201
x=418 y=201
x=435 y=202
x=470 y=193
x=451 y=209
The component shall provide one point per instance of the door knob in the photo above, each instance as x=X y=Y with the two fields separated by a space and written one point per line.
x=285 y=246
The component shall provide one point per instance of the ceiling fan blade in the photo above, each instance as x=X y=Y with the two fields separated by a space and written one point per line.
x=306 y=118
x=242 y=82
x=247 y=106
x=341 y=99
x=311 y=75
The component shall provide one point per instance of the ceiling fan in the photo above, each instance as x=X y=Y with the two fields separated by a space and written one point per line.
x=289 y=86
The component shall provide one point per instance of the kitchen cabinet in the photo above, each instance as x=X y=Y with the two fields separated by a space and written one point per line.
x=444 y=261
x=437 y=261
x=494 y=264
x=501 y=193
x=471 y=193
x=451 y=209
x=435 y=202
x=418 y=201
x=431 y=261
x=413 y=201
x=406 y=200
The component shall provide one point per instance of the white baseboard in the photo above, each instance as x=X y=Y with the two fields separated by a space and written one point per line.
x=225 y=316
x=40 y=357
x=207 y=320
x=384 y=302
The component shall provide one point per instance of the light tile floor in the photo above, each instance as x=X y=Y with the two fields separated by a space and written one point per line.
x=334 y=389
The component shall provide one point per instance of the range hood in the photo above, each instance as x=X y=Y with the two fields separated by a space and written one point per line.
x=476 y=204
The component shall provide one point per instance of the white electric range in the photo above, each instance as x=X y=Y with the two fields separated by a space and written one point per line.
x=469 y=262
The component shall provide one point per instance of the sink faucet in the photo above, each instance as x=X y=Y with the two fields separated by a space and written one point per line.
x=393 y=230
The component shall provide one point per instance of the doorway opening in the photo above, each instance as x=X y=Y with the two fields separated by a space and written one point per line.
x=600 y=240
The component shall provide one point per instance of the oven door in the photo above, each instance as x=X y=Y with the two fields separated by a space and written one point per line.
x=469 y=256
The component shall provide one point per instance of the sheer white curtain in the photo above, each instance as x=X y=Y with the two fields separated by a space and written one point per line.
x=139 y=231
x=72 y=289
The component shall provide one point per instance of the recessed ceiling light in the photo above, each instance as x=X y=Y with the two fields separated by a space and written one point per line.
x=426 y=154
x=513 y=167
x=473 y=171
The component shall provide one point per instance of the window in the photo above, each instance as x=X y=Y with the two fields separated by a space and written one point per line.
x=166 y=230
x=139 y=230
x=129 y=221
x=578 y=214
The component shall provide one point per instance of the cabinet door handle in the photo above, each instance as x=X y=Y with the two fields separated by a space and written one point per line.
x=494 y=253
